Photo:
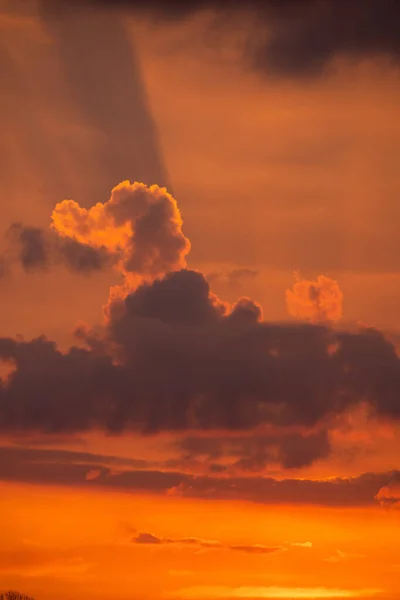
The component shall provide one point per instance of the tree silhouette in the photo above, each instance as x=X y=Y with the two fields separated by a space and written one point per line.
x=11 y=595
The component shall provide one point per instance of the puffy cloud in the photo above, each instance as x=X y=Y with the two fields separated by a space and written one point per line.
x=138 y=231
x=141 y=225
x=289 y=37
x=172 y=356
x=177 y=358
x=316 y=301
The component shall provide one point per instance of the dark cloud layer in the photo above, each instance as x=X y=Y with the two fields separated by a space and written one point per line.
x=288 y=37
x=48 y=468
x=179 y=359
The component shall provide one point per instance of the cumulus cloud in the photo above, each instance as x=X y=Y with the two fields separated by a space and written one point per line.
x=178 y=358
x=138 y=231
x=141 y=225
x=316 y=301
x=288 y=37
x=172 y=356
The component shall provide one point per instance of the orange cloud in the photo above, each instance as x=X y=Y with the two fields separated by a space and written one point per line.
x=140 y=225
x=389 y=495
x=316 y=301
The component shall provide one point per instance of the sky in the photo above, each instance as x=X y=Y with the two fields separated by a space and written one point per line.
x=200 y=281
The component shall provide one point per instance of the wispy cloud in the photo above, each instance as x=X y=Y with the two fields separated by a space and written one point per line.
x=300 y=544
x=151 y=539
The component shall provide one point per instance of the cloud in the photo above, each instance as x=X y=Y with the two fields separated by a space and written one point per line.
x=149 y=538
x=38 y=249
x=140 y=226
x=301 y=544
x=173 y=357
x=389 y=495
x=316 y=301
x=241 y=452
x=178 y=358
x=68 y=468
x=92 y=474
x=258 y=549
x=137 y=231
x=292 y=37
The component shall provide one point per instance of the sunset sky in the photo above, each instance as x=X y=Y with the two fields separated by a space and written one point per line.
x=200 y=291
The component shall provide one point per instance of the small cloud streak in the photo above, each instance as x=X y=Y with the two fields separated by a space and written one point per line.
x=258 y=549
x=151 y=539
x=301 y=544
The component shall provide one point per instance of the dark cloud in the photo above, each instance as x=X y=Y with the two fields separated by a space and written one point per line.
x=47 y=468
x=42 y=455
x=179 y=359
x=256 y=452
x=287 y=37
x=36 y=249
x=181 y=298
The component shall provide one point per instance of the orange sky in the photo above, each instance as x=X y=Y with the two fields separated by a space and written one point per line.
x=276 y=180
